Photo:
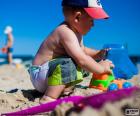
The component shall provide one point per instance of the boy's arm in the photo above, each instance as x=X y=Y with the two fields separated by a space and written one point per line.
x=96 y=54
x=90 y=52
x=72 y=47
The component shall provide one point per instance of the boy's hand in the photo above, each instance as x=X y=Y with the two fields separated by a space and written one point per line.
x=107 y=65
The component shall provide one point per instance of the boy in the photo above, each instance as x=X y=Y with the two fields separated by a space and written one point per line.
x=8 y=47
x=61 y=57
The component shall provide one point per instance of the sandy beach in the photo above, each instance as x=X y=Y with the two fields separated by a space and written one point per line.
x=17 y=92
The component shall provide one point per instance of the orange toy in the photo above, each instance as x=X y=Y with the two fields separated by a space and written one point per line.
x=4 y=50
x=101 y=81
x=119 y=83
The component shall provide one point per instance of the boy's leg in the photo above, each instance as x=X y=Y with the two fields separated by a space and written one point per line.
x=62 y=72
x=9 y=58
x=55 y=91
x=52 y=93
x=9 y=55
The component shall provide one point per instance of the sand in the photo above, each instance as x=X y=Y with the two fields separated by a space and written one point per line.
x=17 y=92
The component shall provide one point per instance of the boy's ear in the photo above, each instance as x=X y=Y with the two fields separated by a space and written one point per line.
x=77 y=16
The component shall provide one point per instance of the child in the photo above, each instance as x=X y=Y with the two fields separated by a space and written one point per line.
x=8 y=47
x=61 y=58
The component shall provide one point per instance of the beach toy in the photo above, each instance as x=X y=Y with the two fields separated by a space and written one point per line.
x=127 y=84
x=124 y=68
x=45 y=107
x=101 y=81
x=112 y=87
x=17 y=62
x=99 y=100
x=4 y=50
x=119 y=84
x=95 y=101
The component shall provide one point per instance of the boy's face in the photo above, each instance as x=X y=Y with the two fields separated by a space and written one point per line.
x=85 y=23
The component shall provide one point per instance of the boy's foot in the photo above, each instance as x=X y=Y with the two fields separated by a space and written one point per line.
x=46 y=99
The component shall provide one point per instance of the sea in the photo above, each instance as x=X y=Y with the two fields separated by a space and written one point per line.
x=27 y=59
x=23 y=59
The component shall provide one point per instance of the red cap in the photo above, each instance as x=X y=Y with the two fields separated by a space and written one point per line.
x=96 y=13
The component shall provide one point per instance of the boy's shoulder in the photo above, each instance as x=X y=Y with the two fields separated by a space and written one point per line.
x=63 y=29
x=62 y=34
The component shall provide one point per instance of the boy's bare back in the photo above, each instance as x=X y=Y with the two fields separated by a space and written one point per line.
x=61 y=42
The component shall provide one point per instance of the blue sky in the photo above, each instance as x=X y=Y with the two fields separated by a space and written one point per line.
x=33 y=20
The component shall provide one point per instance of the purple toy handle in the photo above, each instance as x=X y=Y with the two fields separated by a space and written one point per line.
x=44 y=107
x=97 y=101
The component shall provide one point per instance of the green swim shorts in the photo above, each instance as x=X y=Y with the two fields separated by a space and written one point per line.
x=63 y=71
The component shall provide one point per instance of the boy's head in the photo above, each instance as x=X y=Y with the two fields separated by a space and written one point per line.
x=8 y=30
x=80 y=14
x=92 y=7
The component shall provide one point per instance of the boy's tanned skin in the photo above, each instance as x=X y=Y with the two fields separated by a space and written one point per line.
x=9 y=44
x=66 y=40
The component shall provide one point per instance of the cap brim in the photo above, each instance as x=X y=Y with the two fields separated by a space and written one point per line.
x=96 y=13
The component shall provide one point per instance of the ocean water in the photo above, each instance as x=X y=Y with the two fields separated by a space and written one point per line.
x=27 y=59
x=136 y=61
x=24 y=59
x=138 y=66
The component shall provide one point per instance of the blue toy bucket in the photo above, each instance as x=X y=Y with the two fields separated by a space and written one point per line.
x=124 y=68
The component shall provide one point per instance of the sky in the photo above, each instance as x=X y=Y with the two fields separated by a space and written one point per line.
x=33 y=20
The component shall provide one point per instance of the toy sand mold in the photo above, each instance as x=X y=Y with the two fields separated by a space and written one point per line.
x=124 y=68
